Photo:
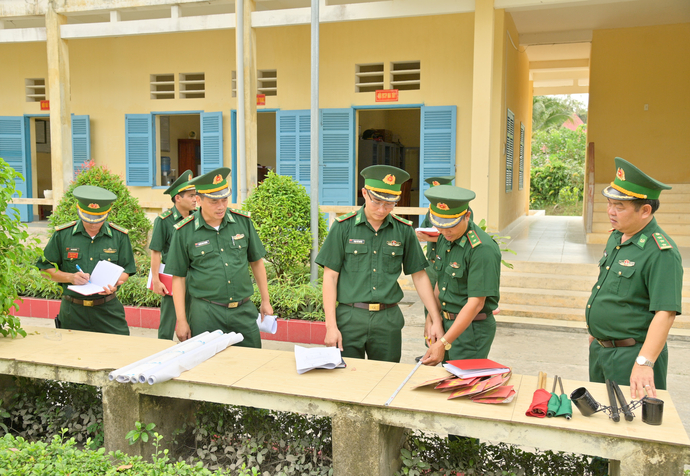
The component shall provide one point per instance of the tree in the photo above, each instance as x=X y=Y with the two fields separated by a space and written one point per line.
x=550 y=112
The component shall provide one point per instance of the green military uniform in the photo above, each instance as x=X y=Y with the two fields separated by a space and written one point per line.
x=70 y=246
x=636 y=279
x=369 y=263
x=216 y=266
x=468 y=267
x=163 y=228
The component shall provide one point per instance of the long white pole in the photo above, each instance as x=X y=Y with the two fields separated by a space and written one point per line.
x=241 y=152
x=314 y=138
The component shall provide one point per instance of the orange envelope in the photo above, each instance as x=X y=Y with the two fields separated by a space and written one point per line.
x=456 y=382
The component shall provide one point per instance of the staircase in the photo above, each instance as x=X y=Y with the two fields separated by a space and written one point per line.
x=673 y=215
x=559 y=291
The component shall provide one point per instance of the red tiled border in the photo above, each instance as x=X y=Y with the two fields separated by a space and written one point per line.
x=294 y=330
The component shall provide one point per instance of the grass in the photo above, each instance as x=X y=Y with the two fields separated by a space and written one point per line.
x=561 y=209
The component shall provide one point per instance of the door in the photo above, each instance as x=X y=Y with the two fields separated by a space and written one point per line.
x=13 y=149
x=337 y=157
x=437 y=145
x=293 y=146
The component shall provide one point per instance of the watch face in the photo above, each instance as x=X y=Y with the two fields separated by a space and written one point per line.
x=640 y=360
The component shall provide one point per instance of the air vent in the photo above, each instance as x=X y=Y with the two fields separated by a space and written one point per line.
x=192 y=85
x=368 y=77
x=405 y=75
x=267 y=80
x=163 y=86
x=35 y=89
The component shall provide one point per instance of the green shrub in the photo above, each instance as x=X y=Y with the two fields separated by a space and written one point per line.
x=126 y=211
x=14 y=244
x=281 y=213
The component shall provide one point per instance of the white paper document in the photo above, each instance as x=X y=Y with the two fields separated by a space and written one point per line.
x=318 y=358
x=432 y=231
x=105 y=273
x=269 y=324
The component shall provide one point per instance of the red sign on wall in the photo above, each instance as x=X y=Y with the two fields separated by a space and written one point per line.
x=260 y=99
x=45 y=105
x=387 y=95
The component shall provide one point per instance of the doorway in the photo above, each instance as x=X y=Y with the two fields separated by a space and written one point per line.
x=42 y=180
x=178 y=146
x=266 y=143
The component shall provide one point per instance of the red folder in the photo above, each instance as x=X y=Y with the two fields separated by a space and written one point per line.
x=476 y=364
x=165 y=279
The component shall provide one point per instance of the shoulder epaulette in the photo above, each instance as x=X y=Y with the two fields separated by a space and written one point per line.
x=119 y=228
x=240 y=212
x=346 y=216
x=401 y=220
x=662 y=242
x=182 y=223
x=65 y=225
x=474 y=239
x=165 y=214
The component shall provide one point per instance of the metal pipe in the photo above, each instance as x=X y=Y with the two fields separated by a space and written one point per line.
x=241 y=117
x=314 y=176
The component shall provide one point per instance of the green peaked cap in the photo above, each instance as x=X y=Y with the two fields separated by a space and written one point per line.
x=632 y=183
x=213 y=184
x=94 y=200
x=180 y=185
x=384 y=181
x=448 y=204
x=443 y=180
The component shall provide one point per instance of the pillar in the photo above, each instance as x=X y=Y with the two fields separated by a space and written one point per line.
x=250 y=82
x=60 y=103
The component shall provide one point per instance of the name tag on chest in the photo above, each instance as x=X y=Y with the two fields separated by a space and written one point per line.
x=354 y=241
x=202 y=243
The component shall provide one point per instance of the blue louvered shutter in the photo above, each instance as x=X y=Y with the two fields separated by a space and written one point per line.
x=139 y=149
x=81 y=142
x=13 y=146
x=510 y=149
x=211 y=141
x=437 y=145
x=293 y=146
x=336 y=157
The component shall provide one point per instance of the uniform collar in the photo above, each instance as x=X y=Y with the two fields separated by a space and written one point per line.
x=462 y=241
x=361 y=218
x=176 y=213
x=105 y=229
x=640 y=238
x=200 y=222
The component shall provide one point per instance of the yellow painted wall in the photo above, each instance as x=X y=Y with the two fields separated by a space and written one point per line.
x=517 y=98
x=20 y=61
x=630 y=68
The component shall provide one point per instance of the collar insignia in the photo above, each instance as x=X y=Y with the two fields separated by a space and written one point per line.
x=442 y=206
x=389 y=179
x=620 y=173
x=217 y=179
x=93 y=205
x=394 y=243
x=626 y=262
x=455 y=265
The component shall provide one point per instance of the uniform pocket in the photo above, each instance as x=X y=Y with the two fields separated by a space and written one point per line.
x=355 y=255
x=112 y=257
x=621 y=278
x=392 y=257
x=204 y=253
x=453 y=276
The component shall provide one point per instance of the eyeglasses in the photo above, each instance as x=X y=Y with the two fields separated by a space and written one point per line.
x=382 y=205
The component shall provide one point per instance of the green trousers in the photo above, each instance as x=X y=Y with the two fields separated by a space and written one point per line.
x=376 y=334
x=616 y=363
x=204 y=316
x=166 y=328
x=108 y=318
x=475 y=342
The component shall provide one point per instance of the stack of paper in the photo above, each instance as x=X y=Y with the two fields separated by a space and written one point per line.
x=428 y=231
x=489 y=389
x=317 y=358
x=475 y=368
x=105 y=273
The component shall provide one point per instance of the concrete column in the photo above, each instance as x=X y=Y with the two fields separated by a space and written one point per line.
x=6 y=391
x=482 y=88
x=60 y=103
x=250 y=76
x=651 y=459
x=123 y=406
x=363 y=446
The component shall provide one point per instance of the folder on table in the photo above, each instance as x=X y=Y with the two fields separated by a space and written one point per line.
x=475 y=368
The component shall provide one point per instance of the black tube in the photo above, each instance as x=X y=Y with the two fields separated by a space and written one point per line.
x=612 y=399
x=624 y=404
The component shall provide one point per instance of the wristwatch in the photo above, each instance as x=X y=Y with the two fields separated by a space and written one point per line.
x=641 y=360
x=446 y=344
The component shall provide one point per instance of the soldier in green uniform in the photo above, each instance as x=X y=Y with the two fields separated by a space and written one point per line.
x=183 y=196
x=75 y=248
x=638 y=293
x=210 y=255
x=431 y=246
x=362 y=258
x=468 y=263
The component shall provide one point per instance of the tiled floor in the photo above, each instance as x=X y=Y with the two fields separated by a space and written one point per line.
x=555 y=239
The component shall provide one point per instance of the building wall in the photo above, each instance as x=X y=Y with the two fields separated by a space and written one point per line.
x=632 y=67
x=27 y=60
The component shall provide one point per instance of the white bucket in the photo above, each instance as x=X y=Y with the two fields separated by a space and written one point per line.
x=48 y=194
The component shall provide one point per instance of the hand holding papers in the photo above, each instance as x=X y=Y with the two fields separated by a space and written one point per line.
x=164 y=278
x=317 y=358
x=104 y=274
x=269 y=324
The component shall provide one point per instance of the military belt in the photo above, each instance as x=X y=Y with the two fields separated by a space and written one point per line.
x=370 y=306
x=629 y=342
x=90 y=302
x=451 y=316
x=230 y=305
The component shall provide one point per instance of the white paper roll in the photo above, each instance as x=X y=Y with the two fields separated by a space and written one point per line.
x=269 y=324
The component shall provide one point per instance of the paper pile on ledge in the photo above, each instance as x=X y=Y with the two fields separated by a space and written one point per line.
x=170 y=363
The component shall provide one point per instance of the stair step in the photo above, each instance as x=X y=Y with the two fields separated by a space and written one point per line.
x=674 y=229
x=554 y=298
x=600 y=238
x=549 y=281
x=663 y=219
x=559 y=269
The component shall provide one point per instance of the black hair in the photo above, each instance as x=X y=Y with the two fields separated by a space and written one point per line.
x=640 y=202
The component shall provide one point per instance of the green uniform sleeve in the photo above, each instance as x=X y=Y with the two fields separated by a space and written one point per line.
x=414 y=259
x=256 y=249
x=126 y=257
x=178 y=258
x=665 y=282
x=483 y=274
x=332 y=251
x=158 y=235
x=51 y=254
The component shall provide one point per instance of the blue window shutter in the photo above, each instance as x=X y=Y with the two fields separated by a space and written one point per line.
x=337 y=157
x=81 y=142
x=510 y=149
x=437 y=145
x=293 y=146
x=139 y=149
x=13 y=150
x=211 y=141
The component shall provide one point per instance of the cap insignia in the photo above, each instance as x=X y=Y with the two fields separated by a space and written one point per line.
x=626 y=262
x=442 y=206
x=620 y=173
x=389 y=179
x=94 y=205
x=217 y=179
x=435 y=183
